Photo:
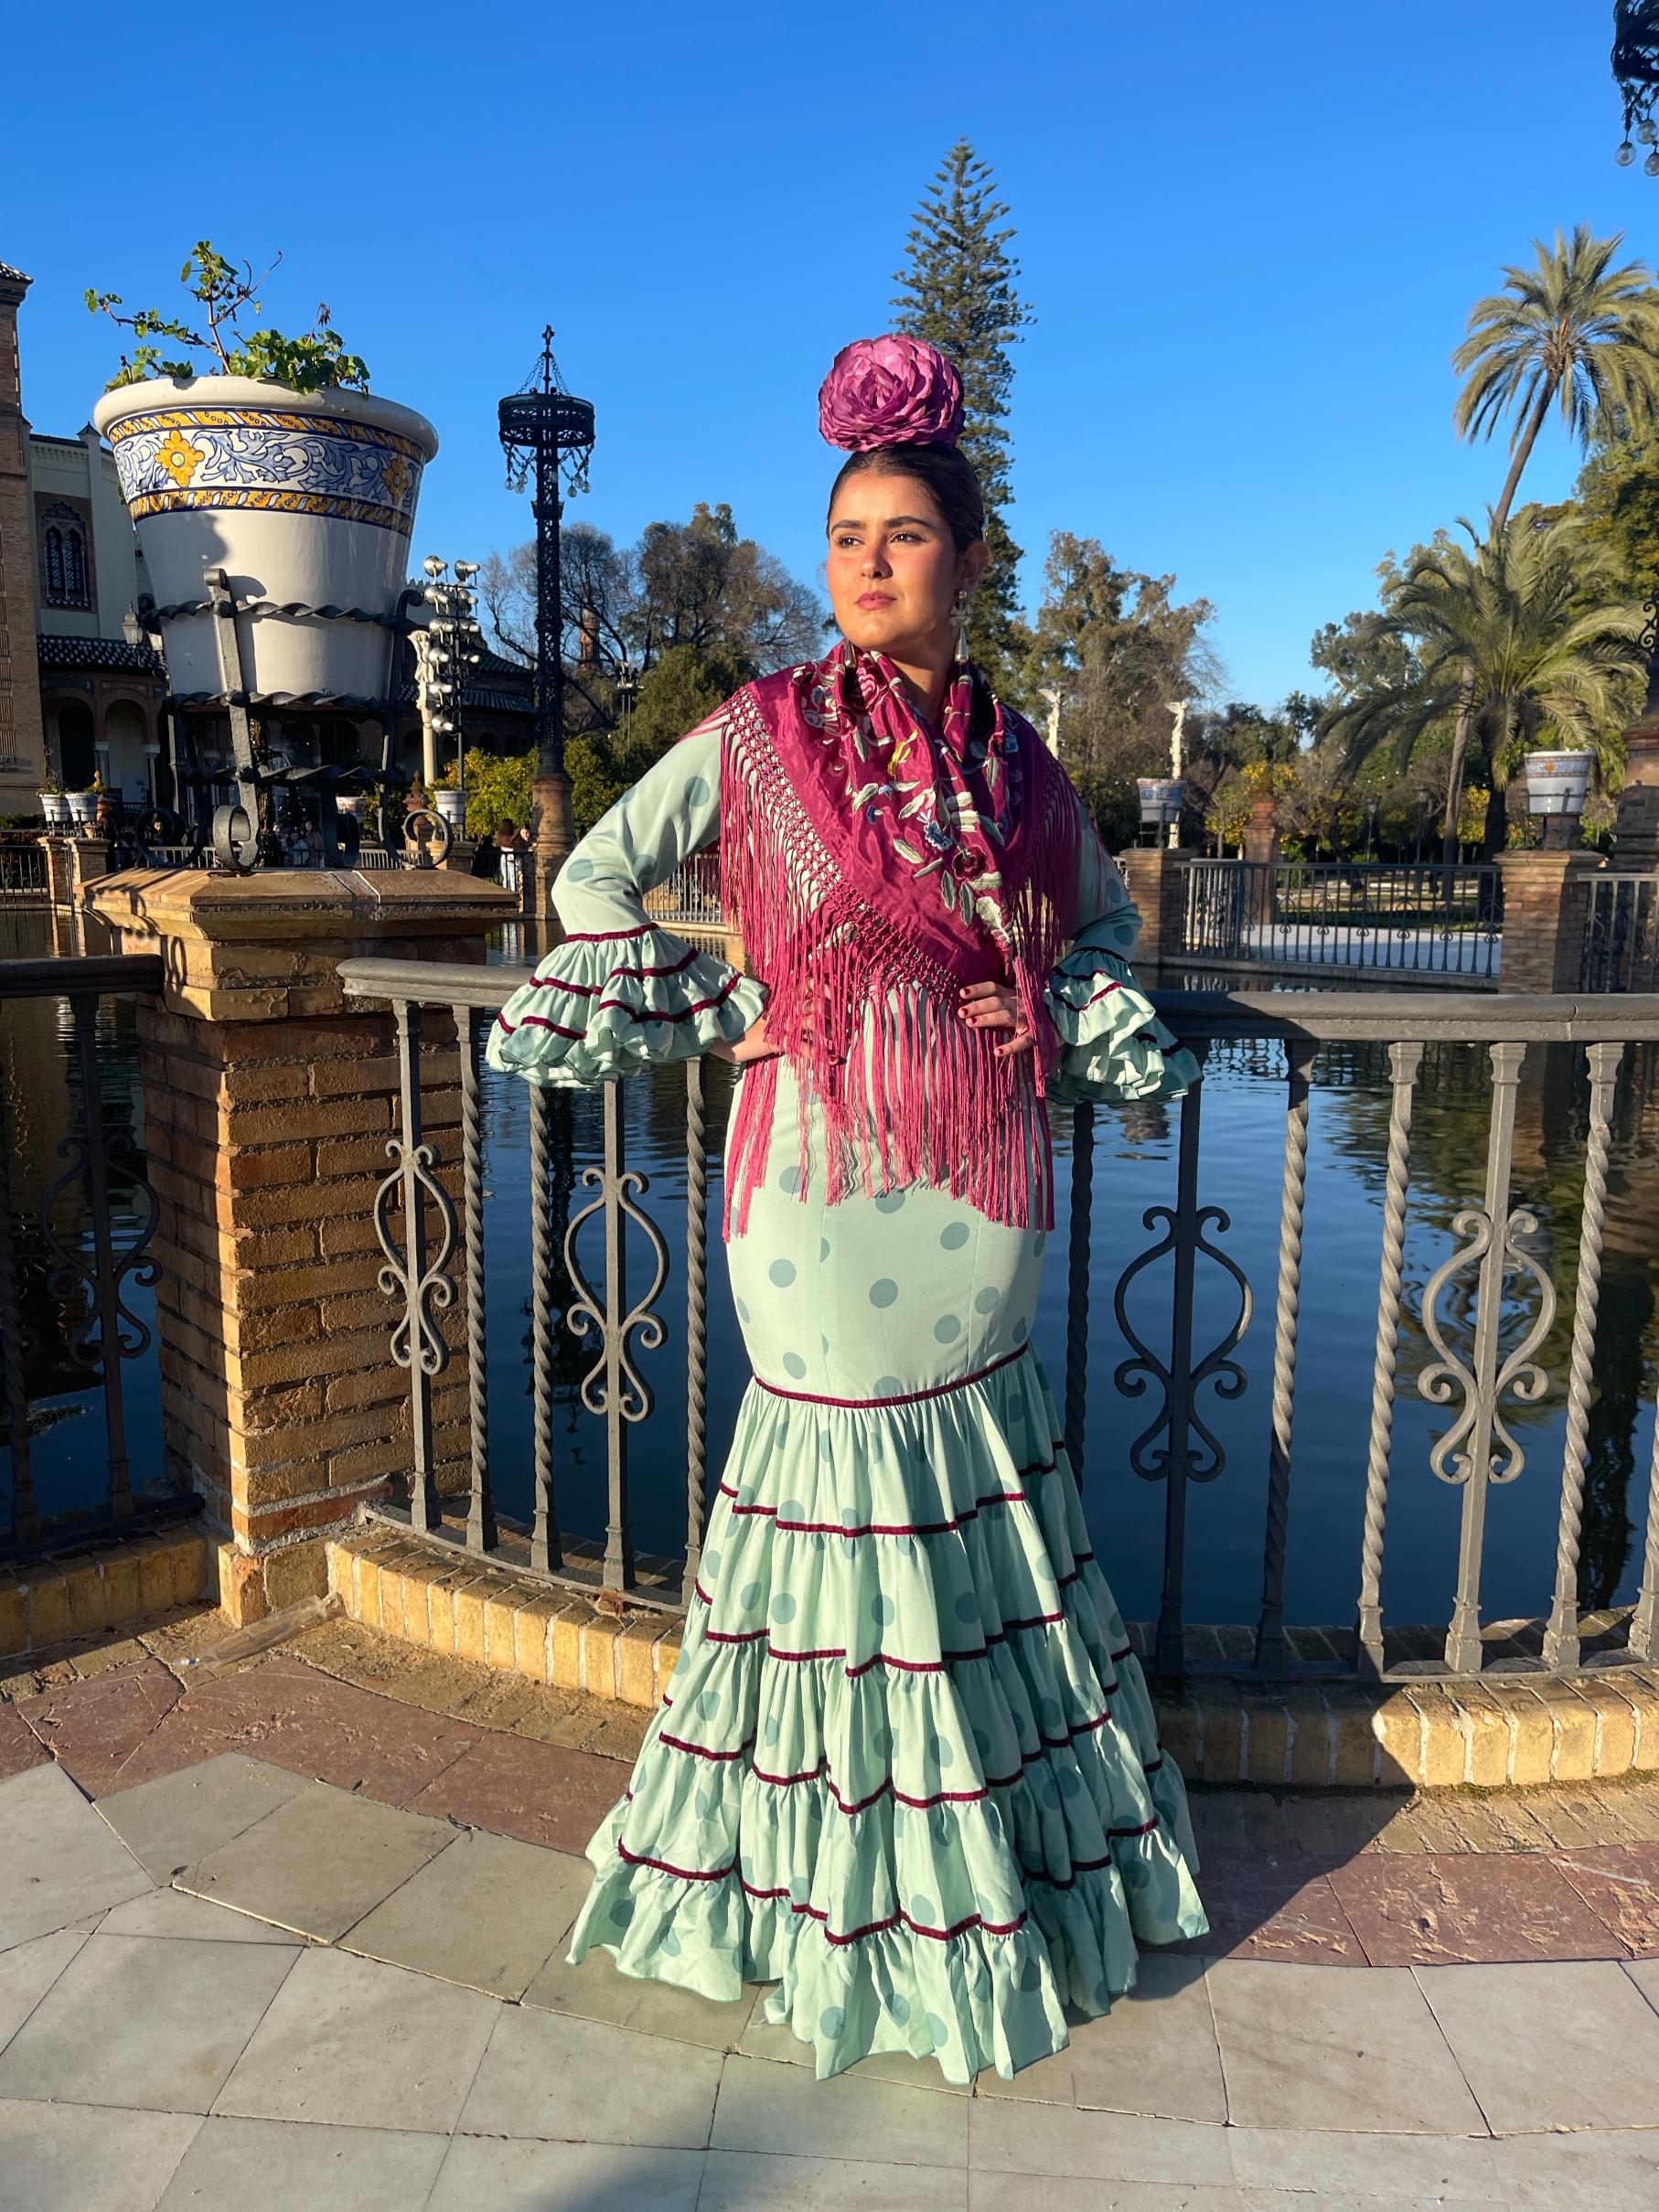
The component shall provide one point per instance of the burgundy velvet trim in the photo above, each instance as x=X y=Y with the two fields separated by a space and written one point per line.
x=1107 y=993
x=592 y=990
x=603 y=936
x=701 y=1006
x=901 y=1528
x=908 y=1397
x=877 y=1928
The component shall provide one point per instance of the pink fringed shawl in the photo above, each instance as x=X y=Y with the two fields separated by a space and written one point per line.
x=873 y=866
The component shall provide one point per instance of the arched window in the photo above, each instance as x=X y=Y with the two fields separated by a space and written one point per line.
x=54 y=566
x=79 y=596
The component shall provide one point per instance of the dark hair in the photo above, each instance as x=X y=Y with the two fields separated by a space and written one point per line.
x=944 y=469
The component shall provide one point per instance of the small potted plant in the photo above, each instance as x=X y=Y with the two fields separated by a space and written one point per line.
x=53 y=803
x=274 y=465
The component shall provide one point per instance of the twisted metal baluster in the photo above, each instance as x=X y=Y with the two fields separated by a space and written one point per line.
x=1644 y=1620
x=1561 y=1633
x=481 y=1532
x=1404 y=1061
x=545 y=1551
x=697 y=1327
x=1077 y=1307
x=26 y=1514
x=1270 y=1630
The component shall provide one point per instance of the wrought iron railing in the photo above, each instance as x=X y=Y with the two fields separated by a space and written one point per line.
x=71 y=1253
x=690 y=898
x=1622 y=933
x=1409 y=919
x=23 y=875
x=1484 y=1311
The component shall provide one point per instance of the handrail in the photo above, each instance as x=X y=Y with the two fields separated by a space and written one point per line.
x=99 y=972
x=1316 y=1016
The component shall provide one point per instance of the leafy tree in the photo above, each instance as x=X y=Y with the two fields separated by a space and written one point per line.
x=1119 y=650
x=1618 y=494
x=958 y=290
x=498 y=788
x=674 y=696
x=1524 y=631
x=1572 y=332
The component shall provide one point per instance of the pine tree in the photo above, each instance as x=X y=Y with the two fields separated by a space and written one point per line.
x=957 y=290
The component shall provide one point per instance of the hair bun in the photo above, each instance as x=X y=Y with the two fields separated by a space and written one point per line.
x=890 y=391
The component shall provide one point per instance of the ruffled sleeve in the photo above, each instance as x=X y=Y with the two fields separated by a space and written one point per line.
x=619 y=994
x=1113 y=1046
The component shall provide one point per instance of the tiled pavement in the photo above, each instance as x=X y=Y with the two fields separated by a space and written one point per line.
x=275 y=1939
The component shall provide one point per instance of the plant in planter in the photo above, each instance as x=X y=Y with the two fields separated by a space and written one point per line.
x=54 y=806
x=263 y=455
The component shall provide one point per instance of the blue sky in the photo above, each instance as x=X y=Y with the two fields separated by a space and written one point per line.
x=1251 y=234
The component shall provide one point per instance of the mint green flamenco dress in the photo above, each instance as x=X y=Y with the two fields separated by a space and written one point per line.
x=906 y=1768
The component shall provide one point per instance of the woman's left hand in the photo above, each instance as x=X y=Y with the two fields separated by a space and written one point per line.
x=994 y=1006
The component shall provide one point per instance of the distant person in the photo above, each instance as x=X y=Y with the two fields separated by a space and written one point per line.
x=907 y=1768
x=500 y=857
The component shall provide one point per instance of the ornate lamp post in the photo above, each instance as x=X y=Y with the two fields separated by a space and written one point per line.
x=548 y=433
x=1636 y=73
x=445 y=650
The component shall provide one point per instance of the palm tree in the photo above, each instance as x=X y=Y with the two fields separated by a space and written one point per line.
x=1520 y=633
x=1574 y=332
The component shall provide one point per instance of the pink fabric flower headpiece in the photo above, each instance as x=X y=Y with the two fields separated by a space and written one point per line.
x=890 y=391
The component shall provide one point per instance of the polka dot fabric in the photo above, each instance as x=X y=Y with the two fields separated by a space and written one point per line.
x=907 y=1768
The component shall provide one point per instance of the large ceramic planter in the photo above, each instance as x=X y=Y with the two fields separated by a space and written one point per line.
x=301 y=497
x=1161 y=798
x=452 y=805
x=56 y=808
x=83 y=810
x=1557 y=782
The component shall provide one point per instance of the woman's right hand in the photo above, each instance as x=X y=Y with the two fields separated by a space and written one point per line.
x=754 y=1044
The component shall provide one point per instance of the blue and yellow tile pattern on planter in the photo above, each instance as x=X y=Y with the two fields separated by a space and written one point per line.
x=285 y=462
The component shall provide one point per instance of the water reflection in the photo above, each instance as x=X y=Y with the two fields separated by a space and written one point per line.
x=1239 y=1170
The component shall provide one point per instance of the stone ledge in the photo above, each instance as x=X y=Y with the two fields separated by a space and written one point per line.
x=1506 y=1731
x=110 y=1584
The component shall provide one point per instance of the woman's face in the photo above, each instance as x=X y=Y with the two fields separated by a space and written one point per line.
x=892 y=568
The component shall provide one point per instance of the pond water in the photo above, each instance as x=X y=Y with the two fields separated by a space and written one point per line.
x=1243 y=1131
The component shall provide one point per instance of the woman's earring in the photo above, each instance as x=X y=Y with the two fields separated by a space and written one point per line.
x=960 y=607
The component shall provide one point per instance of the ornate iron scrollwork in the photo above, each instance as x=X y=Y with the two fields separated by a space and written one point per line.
x=614 y=1384
x=426 y=1290
x=1184 y=1236
x=1491 y=1446
x=107 y=1327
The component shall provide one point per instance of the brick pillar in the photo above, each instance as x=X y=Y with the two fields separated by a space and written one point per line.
x=1156 y=880
x=553 y=837
x=269 y=1097
x=1636 y=824
x=1546 y=915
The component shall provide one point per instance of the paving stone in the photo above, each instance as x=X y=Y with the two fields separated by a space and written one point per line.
x=1330 y=1825
x=282 y=1711
x=92 y=1727
x=1446 y=1909
x=482 y=2175
x=1238 y=1820
x=488 y=1912
x=1008 y=2136
x=139 y=2021
x=596 y=1991
x=350 y=2042
x=1644 y=1973
x=764 y=2107
x=582 y=2080
x=28 y=1971
x=277 y=2165
x=1067 y=2192
x=1155 y=2053
x=320 y=1862
x=1615 y=2172
x=515 y=1786
x=1319 y=2167
x=170 y=1912
x=60 y=1861
x=753 y=2181
x=1308 y=2049
x=1263 y=1905
x=72 y=2158
x=761 y=2039
x=19 y=1746
x=175 y=1821
x=1570 y=2045
x=1621 y=1885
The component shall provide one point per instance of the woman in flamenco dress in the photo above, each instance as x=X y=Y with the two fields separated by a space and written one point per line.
x=906 y=1768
